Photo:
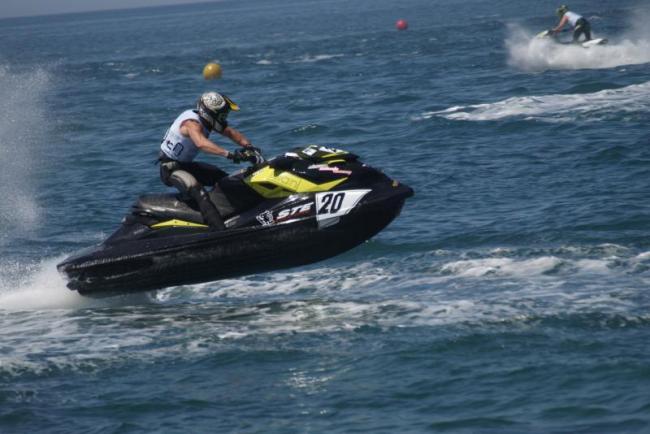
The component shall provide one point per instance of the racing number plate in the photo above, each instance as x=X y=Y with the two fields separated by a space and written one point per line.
x=333 y=204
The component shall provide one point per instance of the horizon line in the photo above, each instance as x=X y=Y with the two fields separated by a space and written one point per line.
x=127 y=8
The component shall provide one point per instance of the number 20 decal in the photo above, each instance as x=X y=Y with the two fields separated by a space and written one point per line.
x=331 y=205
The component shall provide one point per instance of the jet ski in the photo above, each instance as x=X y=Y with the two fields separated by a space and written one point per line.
x=548 y=34
x=298 y=208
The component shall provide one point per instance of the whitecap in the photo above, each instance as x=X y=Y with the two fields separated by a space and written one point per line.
x=316 y=58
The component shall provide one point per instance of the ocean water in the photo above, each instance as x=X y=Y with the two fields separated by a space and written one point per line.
x=511 y=295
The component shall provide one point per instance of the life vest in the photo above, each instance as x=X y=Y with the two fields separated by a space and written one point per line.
x=177 y=146
x=572 y=17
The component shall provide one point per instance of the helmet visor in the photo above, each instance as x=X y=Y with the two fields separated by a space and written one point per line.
x=231 y=104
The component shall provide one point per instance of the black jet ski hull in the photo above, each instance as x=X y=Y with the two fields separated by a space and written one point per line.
x=209 y=256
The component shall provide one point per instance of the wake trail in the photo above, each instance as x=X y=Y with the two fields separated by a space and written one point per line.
x=606 y=104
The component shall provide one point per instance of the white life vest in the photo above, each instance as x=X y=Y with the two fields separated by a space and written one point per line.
x=177 y=146
x=572 y=17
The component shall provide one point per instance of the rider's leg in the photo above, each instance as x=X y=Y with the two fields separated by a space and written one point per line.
x=186 y=183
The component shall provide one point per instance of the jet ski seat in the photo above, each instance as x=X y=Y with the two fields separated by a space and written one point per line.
x=176 y=206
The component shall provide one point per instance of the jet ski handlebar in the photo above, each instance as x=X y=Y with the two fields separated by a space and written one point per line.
x=250 y=154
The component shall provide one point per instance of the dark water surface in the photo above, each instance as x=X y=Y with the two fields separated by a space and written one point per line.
x=510 y=296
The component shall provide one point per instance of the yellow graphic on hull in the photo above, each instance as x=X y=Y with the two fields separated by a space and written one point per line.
x=272 y=183
x=177 y=223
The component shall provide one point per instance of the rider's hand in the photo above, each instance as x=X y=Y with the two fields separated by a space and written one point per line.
x=236 y=157
x=252 y=155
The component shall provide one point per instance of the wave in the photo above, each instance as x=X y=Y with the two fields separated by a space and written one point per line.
x=453 y=281
x=50 y=344
x=625 y=102
x=535 y=55
x=588 y=287
x=307 y=58
x=39 y=286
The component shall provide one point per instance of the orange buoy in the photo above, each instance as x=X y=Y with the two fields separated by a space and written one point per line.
x=402 y=25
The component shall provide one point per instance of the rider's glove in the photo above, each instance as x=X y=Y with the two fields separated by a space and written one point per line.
x=253 y=155
x=250 y=154
x=236 y=156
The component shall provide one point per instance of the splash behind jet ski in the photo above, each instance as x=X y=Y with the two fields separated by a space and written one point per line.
x=298 y=208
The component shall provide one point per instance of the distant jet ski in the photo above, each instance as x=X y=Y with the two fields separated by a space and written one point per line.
x=548 y=34
x=298 y=208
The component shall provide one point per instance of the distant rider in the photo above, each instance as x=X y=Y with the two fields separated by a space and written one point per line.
x=580 y=25
x=186 y=137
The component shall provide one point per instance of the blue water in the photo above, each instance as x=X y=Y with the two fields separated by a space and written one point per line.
x=510 y=296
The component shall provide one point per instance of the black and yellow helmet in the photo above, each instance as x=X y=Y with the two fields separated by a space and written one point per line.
x=562 y=10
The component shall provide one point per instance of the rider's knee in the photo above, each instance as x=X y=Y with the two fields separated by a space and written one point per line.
x=185 y=180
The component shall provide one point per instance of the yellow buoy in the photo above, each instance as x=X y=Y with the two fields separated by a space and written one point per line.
x=212 y=71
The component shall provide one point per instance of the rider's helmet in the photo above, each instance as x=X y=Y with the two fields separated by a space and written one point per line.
x=213 y=108
x=562 y=10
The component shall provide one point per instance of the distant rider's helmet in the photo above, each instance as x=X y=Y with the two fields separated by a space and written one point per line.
x=213 y=108
x=562 y=10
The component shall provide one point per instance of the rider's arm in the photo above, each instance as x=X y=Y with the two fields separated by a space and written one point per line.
x=236 y=137
x=561 y=24
x=193 y=129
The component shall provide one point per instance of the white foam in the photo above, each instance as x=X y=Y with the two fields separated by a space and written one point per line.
x=316 y=58
x=534 y=54
x=645 y=256
x=479 y=287
x=44 y=288
x=597 y=266
x=322 y=280
x=502 y=267
x=556 y=107
x=500 y=286
x=41 y=287
x=526 y=268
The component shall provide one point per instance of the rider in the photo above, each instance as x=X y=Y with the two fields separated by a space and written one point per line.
x=186 y=137
x=578 y=22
